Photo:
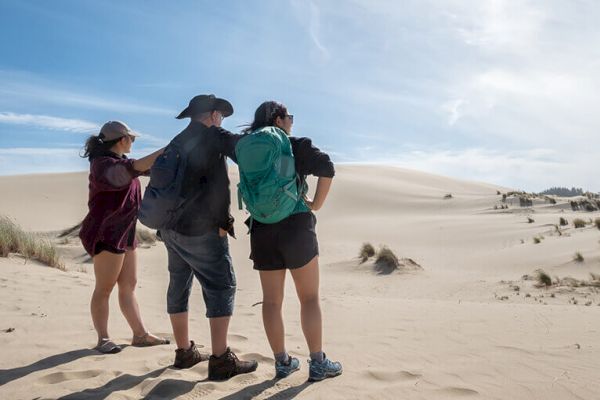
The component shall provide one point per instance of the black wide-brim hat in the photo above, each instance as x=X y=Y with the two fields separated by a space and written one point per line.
x=206 y=103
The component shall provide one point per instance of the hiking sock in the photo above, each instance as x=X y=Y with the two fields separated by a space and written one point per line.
x=318 y=356
x=282 y=357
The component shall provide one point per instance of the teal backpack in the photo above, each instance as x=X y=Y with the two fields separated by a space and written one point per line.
x=268 y=183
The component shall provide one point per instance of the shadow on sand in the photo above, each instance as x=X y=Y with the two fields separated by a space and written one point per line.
x=126 y=381
x=9 y=375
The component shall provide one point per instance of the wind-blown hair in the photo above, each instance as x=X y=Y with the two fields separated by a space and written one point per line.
x=265 y=115
x=95 y=146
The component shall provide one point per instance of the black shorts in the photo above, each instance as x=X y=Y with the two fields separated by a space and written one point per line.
x=290 y=243
x=101 y=246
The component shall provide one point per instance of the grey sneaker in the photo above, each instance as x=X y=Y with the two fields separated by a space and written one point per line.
x=283 y=370
x=323 y=370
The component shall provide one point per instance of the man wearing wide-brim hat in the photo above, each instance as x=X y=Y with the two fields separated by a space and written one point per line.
x=197 y=245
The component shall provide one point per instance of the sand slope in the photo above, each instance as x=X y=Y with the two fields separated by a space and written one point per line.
x=439 y=333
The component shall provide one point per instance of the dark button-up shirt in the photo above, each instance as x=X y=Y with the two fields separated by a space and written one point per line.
x=114 y=201
x=206 y=178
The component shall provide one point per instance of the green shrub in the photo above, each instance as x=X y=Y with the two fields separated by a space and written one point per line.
x=366 y=251
x=537 y=240
x=31 y=246
x=530 y=220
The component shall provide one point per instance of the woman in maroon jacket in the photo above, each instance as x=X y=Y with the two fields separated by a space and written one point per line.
x=108 y=230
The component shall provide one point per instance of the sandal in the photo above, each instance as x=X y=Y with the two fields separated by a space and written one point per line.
x=107 y=346
x=146 y=340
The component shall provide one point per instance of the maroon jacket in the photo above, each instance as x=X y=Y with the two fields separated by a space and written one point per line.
x=115 y=197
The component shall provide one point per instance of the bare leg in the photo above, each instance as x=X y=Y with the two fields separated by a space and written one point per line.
x=179 y=322
x=273 y=288
x=107 y=267
x=218 y=334
x=127 y=300
x=306 y=279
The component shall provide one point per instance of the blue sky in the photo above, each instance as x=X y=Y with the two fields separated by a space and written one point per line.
x=498 y=91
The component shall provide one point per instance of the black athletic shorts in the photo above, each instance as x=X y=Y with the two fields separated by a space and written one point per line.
x=290 y=243
x=101 y=246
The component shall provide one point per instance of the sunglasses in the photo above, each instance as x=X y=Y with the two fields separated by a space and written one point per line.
x=291 y=117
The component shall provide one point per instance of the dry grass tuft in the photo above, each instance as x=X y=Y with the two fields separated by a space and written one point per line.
x=543 y=279
x=366 y=251
x=448 y=196
x=145 y=237
x=530 y=220
x=578 y=257
x=386 y=261
x=563 y=221
x=578 y=223
x=13 y=239
x=597 y=223
x=71 y=232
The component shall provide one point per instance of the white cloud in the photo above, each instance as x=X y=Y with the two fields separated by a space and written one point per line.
x=535 y=169
x=49 y=122
x=33 y=89
x=314 y=29
x=40 y=160
x=44 y=160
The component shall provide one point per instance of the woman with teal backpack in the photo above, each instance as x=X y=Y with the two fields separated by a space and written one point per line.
x=273 y=168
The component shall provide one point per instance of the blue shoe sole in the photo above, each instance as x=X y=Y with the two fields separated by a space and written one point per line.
x=285 y=375
x=328 y=375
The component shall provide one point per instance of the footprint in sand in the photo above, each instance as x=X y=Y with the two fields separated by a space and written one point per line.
x=59 y=377
x=258 y=357
x=234 y=336
x=453 y=392
x=200 y=391
x=393 y=376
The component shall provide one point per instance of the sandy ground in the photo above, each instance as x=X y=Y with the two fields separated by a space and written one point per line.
x=457 y=328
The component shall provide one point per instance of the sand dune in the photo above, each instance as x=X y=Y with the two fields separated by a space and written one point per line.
x=456 y=329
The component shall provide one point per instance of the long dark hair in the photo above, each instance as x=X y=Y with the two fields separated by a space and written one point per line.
x=265 y=115
x=95 y=146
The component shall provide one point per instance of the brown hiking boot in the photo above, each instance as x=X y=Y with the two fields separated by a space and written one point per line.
x=188 y=358
x=228 y=365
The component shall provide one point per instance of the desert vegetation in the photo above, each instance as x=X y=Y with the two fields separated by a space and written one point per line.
x=563 y=221
x=13 y=239
x=386 y=261
x=366 y=251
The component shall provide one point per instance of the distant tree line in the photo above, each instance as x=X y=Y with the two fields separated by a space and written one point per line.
x=564 y=192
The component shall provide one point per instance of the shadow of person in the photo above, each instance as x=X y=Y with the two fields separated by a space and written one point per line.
x=170 y=389
x=122 y=382
x=251 y=391
x=9 y=375
x=290 y=392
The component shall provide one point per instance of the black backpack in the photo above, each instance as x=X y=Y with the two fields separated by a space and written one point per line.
x=162 y=204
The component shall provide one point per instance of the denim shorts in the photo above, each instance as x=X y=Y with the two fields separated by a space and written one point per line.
x=206 y=257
